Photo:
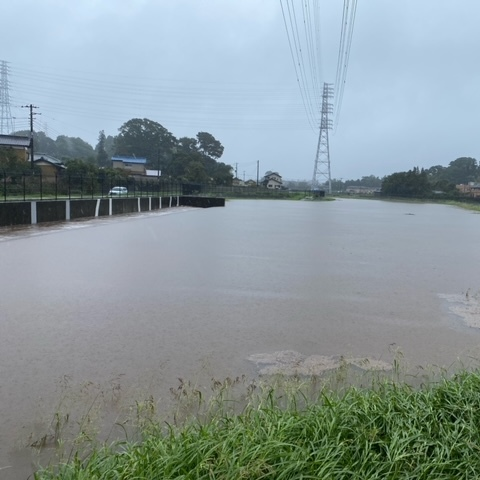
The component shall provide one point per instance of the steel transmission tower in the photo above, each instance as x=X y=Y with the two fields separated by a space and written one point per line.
x=321 y=171
x=6 y=121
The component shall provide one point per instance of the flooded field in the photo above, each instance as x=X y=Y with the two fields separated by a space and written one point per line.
x=121 y=309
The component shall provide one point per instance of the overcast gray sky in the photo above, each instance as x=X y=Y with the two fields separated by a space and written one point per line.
x=411 y=98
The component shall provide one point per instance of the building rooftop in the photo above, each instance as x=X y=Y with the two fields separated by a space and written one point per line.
x=14 y=141
x=124 y=159
x=42 y=157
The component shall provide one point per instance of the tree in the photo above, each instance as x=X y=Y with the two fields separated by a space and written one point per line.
x=42 y=143
x=413 y=183
x=145 y=138
x=70 y=148
x=209 y=145
x=81 y=168
x=102 y=155
x=195 y=172
x=187 y=145
x=222 y=174
x=110 y=145
x=11 y=164
x=462 y=170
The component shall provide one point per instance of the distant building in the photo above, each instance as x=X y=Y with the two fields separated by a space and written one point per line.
x=471 y=189
x=18 y=144
x=133 y=165
x=153 y=173
x=272 y=180
x=359 y=190
x=49 y=166
x=237 y=182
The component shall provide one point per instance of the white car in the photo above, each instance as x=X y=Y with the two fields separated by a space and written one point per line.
x=117 y=192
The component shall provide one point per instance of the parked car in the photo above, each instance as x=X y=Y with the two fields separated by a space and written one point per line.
x=117 y=192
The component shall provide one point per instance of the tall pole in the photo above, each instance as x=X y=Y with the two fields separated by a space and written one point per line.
x=258 y=168
x=31 y=107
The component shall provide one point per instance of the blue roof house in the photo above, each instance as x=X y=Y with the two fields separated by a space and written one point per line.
x=133 y=165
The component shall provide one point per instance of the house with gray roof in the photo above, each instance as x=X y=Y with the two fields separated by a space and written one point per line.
x=49 y=166
x=19 y=144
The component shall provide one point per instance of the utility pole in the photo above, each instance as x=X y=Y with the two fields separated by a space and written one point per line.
x=321 y=170
x=236 y=168
x=258 y=168
x=31 y=107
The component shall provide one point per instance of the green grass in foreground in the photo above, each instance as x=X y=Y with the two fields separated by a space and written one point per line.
x=386 y=431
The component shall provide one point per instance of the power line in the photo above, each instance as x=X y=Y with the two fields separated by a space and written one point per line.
x=346 y=36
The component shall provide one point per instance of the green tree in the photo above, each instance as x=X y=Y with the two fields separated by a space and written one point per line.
x=79 y=167
x=462 y=170
x=195 y=172
x=11 y=164
x=70 y=148
x=103 y=159
x=41 y=143
x=187 y=145
x=209 y=145
x=413 y=183
x=222 y=174
x=145 y=138
x=110 y=146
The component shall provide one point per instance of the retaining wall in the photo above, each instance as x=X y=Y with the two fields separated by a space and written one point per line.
x=32 y=212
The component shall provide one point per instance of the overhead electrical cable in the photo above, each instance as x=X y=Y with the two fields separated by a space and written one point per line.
x=291 y=41
x=346 y=36
x=301 y=62
x=312 y=35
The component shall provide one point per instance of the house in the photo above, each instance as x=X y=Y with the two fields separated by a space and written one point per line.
x=272 y=180
x=471 y=189
x=18 y=144
x=49 y=166
x=133 y=165
x=237 y=182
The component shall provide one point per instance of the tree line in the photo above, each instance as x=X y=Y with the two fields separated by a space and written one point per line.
x=186 y=159
x=434 y=181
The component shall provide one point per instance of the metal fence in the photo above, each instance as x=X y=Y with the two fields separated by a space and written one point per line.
x=35 y=186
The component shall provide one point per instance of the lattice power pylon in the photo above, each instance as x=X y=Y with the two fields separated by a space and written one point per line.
x=6 y=120
x=321 y=172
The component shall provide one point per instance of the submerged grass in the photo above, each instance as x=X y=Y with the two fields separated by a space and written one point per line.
x=387 y=430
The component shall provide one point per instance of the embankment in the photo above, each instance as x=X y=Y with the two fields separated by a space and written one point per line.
x=40 y=211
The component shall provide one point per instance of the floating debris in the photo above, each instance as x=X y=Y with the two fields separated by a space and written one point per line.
x=466 y=306
x=289 y=362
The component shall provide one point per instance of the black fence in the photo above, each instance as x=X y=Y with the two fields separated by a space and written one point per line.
x=35 y=186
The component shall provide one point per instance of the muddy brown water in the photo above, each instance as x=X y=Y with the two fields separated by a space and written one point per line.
x=125 y=306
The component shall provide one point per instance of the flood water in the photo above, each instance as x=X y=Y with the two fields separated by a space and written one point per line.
x=131 y=304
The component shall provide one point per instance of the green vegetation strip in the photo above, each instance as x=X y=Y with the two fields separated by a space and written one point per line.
x=386 y=431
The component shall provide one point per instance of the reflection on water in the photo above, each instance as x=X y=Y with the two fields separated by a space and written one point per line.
x=128 y=305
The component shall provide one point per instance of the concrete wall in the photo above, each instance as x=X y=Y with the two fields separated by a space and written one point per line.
x=24 y=213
